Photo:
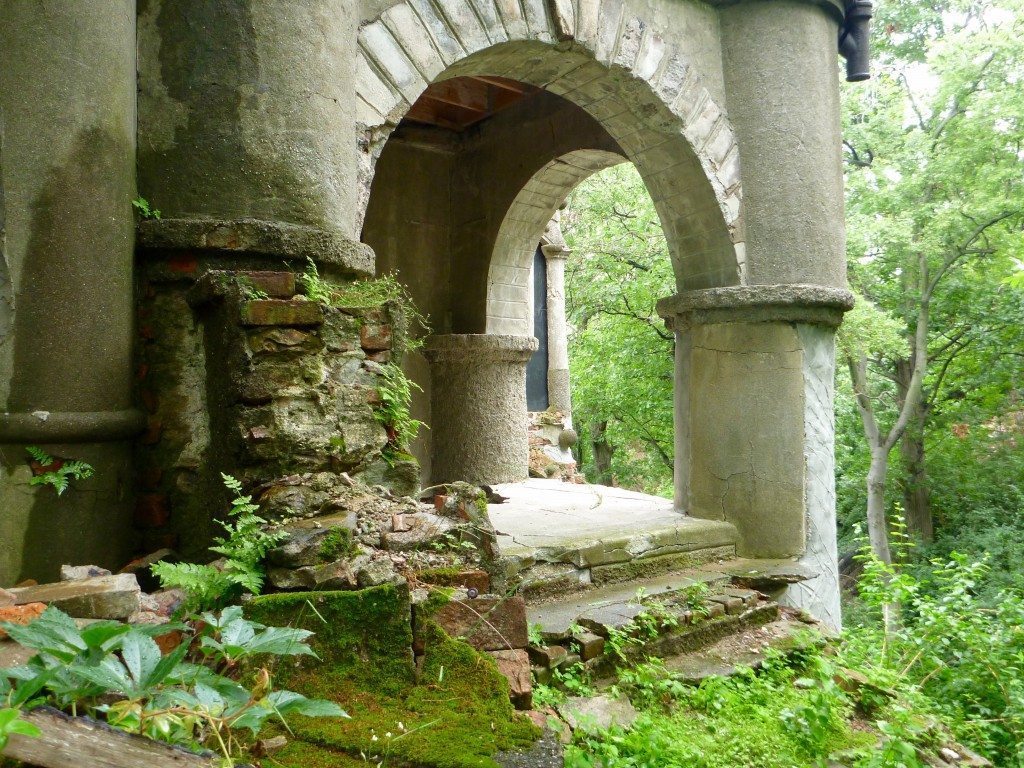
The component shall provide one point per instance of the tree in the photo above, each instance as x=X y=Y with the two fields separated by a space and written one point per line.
x=935 y=196
x=621 y=355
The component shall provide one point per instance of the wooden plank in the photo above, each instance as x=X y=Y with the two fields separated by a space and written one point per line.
x=79 y=742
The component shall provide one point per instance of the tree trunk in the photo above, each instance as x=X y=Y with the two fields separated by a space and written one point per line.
x=878 y=531
x=603 y=451
x=916 y=501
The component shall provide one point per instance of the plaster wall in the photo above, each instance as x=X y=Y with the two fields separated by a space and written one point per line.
x=67 y=100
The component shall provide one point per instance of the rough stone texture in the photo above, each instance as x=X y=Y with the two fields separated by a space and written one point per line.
x=590 y=646
x=649 y=567
x=217 y=146
x=79 y=572
x=597 y=713
x=278 y=392
x=7 y=599
x=745 y=461
x=335 y=255
x=757 y=303
x=819 y=596
x=480 y=381
x=308 y=545
x=101 y=597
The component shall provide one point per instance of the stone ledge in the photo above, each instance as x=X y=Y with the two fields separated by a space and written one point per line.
x=475 y=348
x=797 y=303
x=58 y=427
x=329 y=250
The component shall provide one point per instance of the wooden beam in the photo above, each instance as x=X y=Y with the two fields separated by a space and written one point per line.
x=79 y=742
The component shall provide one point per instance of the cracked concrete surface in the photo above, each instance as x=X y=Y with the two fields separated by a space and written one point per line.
x=589 y=525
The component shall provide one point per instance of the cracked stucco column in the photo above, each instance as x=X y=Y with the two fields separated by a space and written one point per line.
x=247 y=112
x=755 y=423
x=559 y=396
x=478 y=424
x=67 y=100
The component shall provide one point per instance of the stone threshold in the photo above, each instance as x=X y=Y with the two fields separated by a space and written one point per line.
x=565 y=536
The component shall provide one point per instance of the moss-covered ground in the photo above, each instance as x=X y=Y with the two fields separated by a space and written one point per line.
x=453 y=713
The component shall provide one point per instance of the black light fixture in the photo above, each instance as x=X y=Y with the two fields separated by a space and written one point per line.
x=855 y=40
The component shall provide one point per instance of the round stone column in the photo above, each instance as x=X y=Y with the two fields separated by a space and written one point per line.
x=247 y=111
x=67 y=118
x=559 y=396
x=478 y=425
x=781 y=59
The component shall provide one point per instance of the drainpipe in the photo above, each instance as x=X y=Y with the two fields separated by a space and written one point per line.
x=855 y=40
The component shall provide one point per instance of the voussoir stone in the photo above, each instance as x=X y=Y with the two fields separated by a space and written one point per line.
x=101 y=597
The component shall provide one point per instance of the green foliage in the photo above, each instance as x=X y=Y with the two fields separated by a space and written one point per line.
x=116 y=672
x=11 y=724
x=778 y=718
x=953 y=653
x=409 y=324
x=244 y=546
x=144 y=209
x=58 y=473
x=621 y=356
x=394 y=412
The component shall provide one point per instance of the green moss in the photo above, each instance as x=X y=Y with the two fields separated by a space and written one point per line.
x=336 y=544
x=457 y=715
x=363 y=637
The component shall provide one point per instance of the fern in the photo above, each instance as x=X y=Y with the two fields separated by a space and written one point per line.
x=49 y=470
x=244 y=545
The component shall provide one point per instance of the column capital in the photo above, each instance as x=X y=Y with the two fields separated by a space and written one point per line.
x=793 y=303
x=555 y=251
x=475 y=348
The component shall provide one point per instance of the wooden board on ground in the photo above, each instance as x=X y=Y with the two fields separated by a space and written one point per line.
x=76 y=742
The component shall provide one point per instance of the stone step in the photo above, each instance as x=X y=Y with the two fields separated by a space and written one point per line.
x=554 y=617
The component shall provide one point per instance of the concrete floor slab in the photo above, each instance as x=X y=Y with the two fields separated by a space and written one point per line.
x=593 y=525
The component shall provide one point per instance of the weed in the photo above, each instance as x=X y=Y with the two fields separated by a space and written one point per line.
x=48 y=470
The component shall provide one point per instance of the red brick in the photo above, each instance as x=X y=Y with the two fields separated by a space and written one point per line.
x=151 y=511
x=185 y=263
x=380 y=357
x=277 y=285
x=488 y=622
x=475 y=579
x=375 y=338
x=20 y=614
x=281 y=312
x=515 y=666
x=154 y=431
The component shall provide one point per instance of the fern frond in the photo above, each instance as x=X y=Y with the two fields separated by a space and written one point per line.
x=39 y=455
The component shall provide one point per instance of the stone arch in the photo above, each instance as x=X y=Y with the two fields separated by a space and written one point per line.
x=618 y=67
x=508 y=280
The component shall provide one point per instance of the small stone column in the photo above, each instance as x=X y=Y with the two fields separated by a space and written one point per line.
x=478 y=425
x=559 y=396
x=754 y=423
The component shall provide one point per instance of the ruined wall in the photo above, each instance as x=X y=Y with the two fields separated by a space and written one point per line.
x=279 y=391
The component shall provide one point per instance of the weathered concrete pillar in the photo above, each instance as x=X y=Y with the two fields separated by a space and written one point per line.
x=478 y=425
x=247 y=111
x=754 y=422
x=782 y=88
x=67 y=101
x=559 y=396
